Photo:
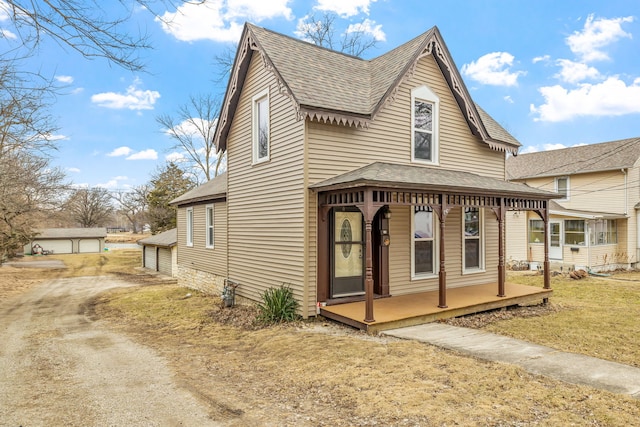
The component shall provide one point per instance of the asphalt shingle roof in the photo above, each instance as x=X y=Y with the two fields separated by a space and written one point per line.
x=604 y=156
x=210 y=190
x=165 y=239
x=71 y=233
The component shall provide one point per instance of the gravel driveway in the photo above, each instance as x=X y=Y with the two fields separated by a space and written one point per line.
x=58 y=367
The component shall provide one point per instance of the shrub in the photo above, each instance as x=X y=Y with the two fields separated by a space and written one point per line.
x=278 y=305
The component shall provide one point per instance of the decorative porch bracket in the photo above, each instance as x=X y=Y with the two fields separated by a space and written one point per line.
x=442 y=211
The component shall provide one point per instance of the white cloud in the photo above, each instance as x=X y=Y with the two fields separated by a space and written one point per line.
x=588 y=44
x=547 y=147
x=120 y=151
x=345 y=8
x=219 y=20
x=574 y=72
x=73 y=170
x=493 y=69
x=112 y=184
x=6 y=34
x=543 y=58
x=611 y=97
x=508 y=99
x=149 y=154
x=369 y=28
x=132 y=99
x=174 y=157
x=64 y=79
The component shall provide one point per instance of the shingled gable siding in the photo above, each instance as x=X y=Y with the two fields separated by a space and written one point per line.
x=200 y=267
x=337 y=149
x=266 y=200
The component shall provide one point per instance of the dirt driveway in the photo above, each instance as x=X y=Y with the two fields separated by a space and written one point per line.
x=57 y=367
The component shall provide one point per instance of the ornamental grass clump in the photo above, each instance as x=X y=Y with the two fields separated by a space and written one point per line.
x=278 y=305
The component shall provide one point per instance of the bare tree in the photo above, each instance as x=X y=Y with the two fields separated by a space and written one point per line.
x=89 y=207
x=192 y=131
x=133 y=205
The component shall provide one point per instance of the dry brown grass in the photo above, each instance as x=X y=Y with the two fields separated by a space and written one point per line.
x=317 y=374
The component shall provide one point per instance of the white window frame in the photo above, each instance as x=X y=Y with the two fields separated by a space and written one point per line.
x=481 y=261
x=189 y=226
x=434 y=239
x=210 y=226
x=567 y=196
x=425 y=94
x=262 y=96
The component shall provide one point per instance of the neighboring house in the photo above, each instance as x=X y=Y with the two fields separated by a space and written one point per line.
x=67 y=241
x=594 y=223
x=342 y=173
x=160 y=252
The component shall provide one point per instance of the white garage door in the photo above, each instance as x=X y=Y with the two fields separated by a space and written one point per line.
x=89 y=245
x=150 y=257
x=57 y=246
x=164 y=261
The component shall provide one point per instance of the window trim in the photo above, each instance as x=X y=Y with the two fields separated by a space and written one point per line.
x=585 y=236
x=481 y=262
x=425 y=94
x=434 y=239
x=255 y=126
x=567 y=196
x=530 y=230
x=593 y=232
x=210 y=224
x=189 y=227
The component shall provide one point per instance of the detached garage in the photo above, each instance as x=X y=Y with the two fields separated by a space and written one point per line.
x=160 y=252
x=67 y=241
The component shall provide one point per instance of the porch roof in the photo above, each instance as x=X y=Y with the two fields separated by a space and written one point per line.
x=390 y=175
x=556 y=208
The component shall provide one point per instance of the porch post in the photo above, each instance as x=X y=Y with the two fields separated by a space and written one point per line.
x=368 y=212
x=442 y=212
x=547 y=273
x=501 y=267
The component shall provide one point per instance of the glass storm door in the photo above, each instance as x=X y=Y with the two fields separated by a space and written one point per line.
x=555 y=239
x=347 y=254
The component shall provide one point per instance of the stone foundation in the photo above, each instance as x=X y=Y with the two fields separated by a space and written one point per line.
x=208 y=283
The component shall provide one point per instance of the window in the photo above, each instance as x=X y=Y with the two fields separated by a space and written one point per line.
x=261 y=127
x=424 y=118
x=423 y=242
x=574 y=232
x=472 y=239
x=189 y=226
x=209 y=225
x=562 y=187
x=605 y=232
x=536 y=231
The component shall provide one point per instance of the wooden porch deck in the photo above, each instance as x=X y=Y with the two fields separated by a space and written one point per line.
x=415 y=309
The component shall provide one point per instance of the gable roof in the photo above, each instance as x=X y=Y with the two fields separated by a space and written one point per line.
x=211 y=190
x=604 y=156
x=333 y=87
x=71 y=233
x=390 y=175
x=165 y=239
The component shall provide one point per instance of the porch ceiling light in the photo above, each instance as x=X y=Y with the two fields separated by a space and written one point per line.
x=387 y=214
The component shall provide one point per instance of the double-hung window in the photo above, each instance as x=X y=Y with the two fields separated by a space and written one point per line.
x=423 y=242
x=189 y=227
x=562 y=187
x=472 y=239
x=260 y=127
x=209 y=226
x=605 y=232
x=536 y=231
x=574 y=232
x=424 y=121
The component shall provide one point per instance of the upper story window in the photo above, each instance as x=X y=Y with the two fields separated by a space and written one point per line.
x=189 y=226
x=562 y=187
x=424 y=122
x=260 y=127
x=209 y=226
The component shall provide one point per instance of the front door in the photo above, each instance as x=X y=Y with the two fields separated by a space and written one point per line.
x=347 y=258
x=555 y=240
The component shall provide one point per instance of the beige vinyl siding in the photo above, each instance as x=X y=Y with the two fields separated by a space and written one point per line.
x=266 y=201
x=337 y=149
x=517 y=236
x=198 y=256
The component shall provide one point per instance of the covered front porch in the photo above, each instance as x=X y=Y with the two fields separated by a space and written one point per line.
x=415 y=309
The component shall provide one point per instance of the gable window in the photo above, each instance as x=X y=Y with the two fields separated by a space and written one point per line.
x=424 y=122
x=536 y=231
x=209 y=225
x=605 y=232
x=423 y=242
x=260 y=127
x=574 y=232
x=562 y=187
x=472 y=258
x=189 y=226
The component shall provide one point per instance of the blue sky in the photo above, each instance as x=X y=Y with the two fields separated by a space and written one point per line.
x=553 y=73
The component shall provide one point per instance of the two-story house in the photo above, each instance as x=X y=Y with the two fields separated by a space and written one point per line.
x=357 y=181
x=594 y=223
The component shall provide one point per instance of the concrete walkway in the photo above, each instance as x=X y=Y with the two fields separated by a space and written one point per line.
x=536 y=359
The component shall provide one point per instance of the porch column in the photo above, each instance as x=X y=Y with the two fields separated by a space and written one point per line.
x=501 y=268
x=442 y=212
x=368 y=212
x=547 y=273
